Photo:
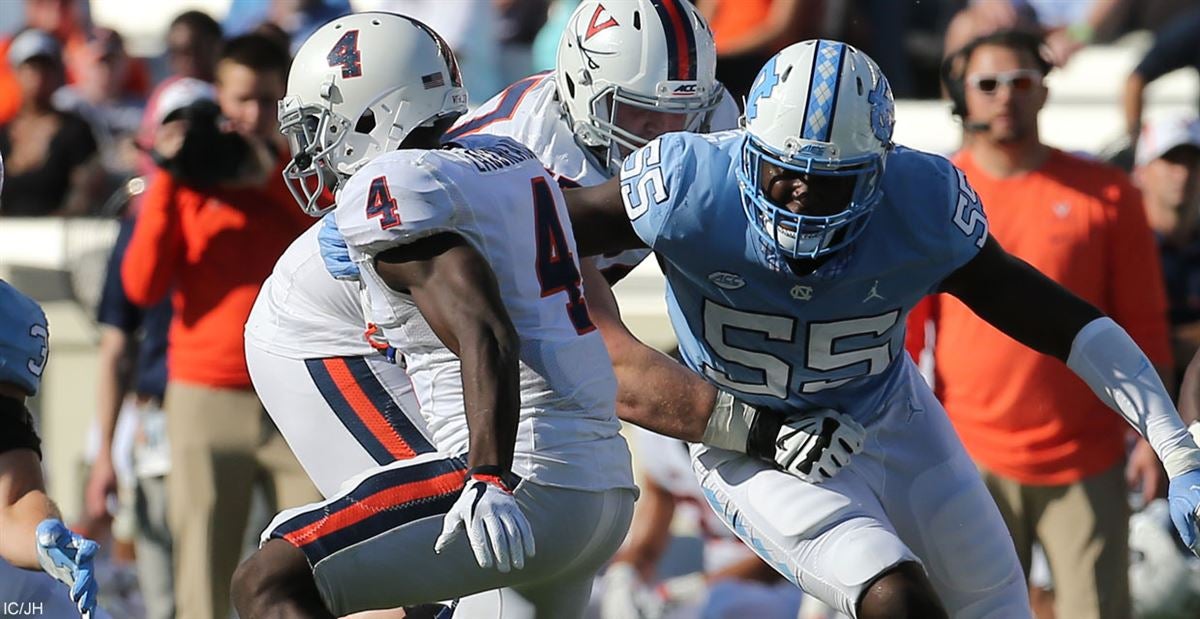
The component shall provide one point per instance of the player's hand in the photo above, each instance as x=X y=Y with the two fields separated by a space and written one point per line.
x=68 y=556
x=813 y=445
x=334 y=252
x=1183 y=495
x=496 y=528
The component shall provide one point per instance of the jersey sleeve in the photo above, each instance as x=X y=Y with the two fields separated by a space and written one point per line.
x=653 y=182
x=24 y=339
x=392 y=203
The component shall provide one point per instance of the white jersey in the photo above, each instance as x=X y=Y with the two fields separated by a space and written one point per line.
x=497 y=196
x=302 y=312
x=530 y=112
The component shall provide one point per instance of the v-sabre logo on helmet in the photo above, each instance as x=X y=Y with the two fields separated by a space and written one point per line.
x=596 y=25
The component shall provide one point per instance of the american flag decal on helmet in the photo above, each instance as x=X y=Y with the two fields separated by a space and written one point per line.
x=433 y=80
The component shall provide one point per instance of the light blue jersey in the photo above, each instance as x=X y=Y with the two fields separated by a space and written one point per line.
x=833 y=338
x=24 y=337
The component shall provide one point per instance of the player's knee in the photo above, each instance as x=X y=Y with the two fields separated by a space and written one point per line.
x=902 y=592
x=274 y=578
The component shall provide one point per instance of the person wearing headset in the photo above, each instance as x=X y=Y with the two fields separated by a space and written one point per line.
x=1054 y=462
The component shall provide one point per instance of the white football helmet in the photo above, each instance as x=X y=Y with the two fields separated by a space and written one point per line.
x=357 y=87
x=1164 y=576
x=652 y=55
x=819 y=108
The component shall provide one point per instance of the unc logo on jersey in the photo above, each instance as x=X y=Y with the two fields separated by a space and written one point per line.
x=883 y=112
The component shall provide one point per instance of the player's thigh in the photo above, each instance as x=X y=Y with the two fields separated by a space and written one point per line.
x=339 y=415
x=832 y=539
x=938 y=503
x=371 y=546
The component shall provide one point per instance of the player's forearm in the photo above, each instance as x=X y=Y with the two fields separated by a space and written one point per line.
x=1121 y=375
x=653 y=391
x=23 y=504
x=661 y=395
x=491 y=395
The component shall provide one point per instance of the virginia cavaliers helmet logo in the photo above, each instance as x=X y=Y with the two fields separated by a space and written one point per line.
x=596 y=24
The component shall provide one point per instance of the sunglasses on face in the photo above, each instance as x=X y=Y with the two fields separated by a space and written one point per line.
x=1021 y=80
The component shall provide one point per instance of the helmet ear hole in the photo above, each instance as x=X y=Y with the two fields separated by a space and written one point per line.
x=637 y=20
x=570 y=85
x=366 y=122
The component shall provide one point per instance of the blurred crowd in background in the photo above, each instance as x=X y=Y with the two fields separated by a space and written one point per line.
x=77 y=108
x=80 y=115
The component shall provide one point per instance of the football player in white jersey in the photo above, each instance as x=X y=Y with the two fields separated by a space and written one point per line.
x=32 y=536
x=340 y=404
x=627 y=71
x=468 y=258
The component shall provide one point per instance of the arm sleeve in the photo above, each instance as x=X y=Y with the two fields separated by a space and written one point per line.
x=1175 y=47
x=1137 y=298
x=652 y=184
x=156 y=245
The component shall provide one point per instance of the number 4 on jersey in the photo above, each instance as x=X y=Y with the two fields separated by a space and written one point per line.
x=381 y=204
x=556 y=270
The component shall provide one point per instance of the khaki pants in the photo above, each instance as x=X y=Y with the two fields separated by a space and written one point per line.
x=222 y=444
x=1084 y=528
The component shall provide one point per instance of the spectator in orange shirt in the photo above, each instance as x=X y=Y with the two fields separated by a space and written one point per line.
x=211 y=230
x=1051 y=456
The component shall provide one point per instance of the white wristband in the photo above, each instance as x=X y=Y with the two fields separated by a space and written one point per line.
x=729 y=424
x=1121 y=375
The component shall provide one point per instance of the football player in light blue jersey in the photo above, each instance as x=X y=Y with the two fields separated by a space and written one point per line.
x=32 y=536
x=793 y=250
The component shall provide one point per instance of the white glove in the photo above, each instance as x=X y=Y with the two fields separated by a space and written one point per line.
x=498 y=532
x=813 y=445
